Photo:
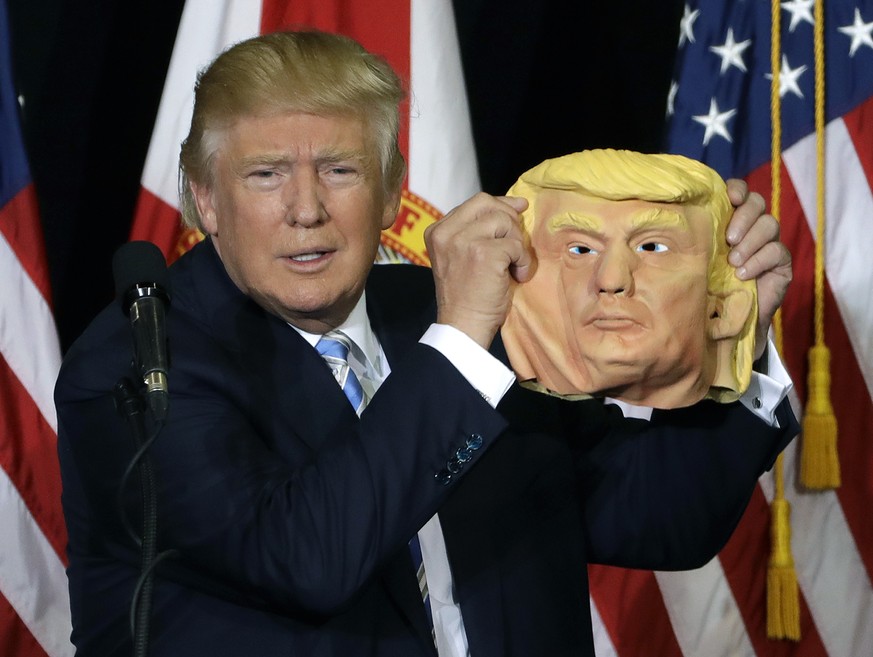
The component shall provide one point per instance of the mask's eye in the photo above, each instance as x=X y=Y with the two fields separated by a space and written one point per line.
x=653 y=247
x=579 y=249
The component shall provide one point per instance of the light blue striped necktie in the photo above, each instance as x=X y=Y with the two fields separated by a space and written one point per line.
x=334 y=349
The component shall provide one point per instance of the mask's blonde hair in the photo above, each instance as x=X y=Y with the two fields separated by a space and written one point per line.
x=308 y=71
x=618 y=175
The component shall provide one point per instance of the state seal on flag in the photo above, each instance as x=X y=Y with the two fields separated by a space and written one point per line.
x=404 y=240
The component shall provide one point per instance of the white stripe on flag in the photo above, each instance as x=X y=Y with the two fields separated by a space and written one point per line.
x=849 y=219
x=205 y=29
x=442 y=160
x=32 y=576
x=28 y=340
x=603 y=646
x=703 y=611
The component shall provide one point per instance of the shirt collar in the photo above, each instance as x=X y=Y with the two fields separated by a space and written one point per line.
x=357 y=328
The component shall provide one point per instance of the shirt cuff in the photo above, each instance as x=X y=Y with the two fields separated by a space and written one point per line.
x=766 y=391
x=484 y=372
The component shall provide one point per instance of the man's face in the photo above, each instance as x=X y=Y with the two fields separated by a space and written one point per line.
x=625 y=283
x=295 y=211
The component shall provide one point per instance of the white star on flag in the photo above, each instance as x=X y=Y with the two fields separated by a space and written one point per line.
x=715 y=122
x=731 y=52
x=860 y=33
x=788 y=78
x=801 y=10
x=686 y=25
x=671 y=97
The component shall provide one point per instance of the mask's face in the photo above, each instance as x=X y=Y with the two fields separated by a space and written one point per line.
x=620 y=293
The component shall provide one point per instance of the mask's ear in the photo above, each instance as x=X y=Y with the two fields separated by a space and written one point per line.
x=727 y=313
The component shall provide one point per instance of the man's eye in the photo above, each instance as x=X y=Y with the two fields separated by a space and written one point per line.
x=339 y=171
x=653 y=247
x=579 y=249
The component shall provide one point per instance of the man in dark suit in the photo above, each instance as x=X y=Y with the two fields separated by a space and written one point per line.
x=288 y=511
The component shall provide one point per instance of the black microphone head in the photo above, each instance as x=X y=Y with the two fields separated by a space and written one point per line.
x=138 y=266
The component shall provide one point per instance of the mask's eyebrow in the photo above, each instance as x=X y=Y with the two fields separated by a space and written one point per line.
x=659 y=218
x=575 y=221
x=641 y=220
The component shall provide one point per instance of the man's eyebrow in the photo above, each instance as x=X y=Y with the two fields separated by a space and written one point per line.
x=264 y=159
x=273 y=159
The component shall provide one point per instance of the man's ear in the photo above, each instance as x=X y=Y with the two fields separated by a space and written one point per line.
x=392 y=207
x=205 y=207
x=728 y=312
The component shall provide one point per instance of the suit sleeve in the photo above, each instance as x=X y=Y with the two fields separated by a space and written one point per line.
x=667 y=494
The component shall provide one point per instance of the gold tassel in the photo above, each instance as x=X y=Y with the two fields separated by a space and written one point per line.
x=819 y=462
x=783 y=609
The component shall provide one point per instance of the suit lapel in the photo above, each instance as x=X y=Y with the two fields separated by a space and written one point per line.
x=289 y=385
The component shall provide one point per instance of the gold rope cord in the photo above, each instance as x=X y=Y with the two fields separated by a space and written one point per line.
x=819 y=462
x=783 y=607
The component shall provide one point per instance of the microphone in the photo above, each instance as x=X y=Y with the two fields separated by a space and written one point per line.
x=142 y=285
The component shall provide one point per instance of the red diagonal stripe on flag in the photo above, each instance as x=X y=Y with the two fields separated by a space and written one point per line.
x=622 y=594
x=31 y=460
x=16 y=638
x=24 y=235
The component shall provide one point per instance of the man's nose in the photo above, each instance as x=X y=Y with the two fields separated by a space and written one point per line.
x=303 y=199
x=615 y=271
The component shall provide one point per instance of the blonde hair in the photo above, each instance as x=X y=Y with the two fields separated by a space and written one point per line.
x=618 y=175
x=305 y=71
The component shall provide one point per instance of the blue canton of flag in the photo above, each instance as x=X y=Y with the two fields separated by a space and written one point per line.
x=719 y=102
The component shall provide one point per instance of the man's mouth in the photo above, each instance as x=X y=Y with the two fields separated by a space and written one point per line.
x=306 y=257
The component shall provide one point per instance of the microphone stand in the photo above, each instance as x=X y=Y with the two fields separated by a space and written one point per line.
x=130 y=406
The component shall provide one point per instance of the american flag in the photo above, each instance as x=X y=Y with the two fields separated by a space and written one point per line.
x=34 y=604
x=719 y=112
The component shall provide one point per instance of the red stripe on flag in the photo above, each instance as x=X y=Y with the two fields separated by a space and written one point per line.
x=22 y=229
x=849 y=396
x=859 y=123
x=744 y=561
x=382 y=27
x=29 y=457
x=157 y=222
x=632 y=609
x=17 y=639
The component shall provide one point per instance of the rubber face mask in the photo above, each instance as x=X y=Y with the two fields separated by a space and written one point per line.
x=632 y=296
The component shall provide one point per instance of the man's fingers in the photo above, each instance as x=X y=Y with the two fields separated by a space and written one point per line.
x=747 y=213
x=772 y=257
x=763 y=232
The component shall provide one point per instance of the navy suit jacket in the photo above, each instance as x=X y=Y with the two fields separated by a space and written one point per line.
x=289 y=516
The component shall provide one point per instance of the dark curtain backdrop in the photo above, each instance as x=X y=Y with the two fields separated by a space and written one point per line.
x=543 y=79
